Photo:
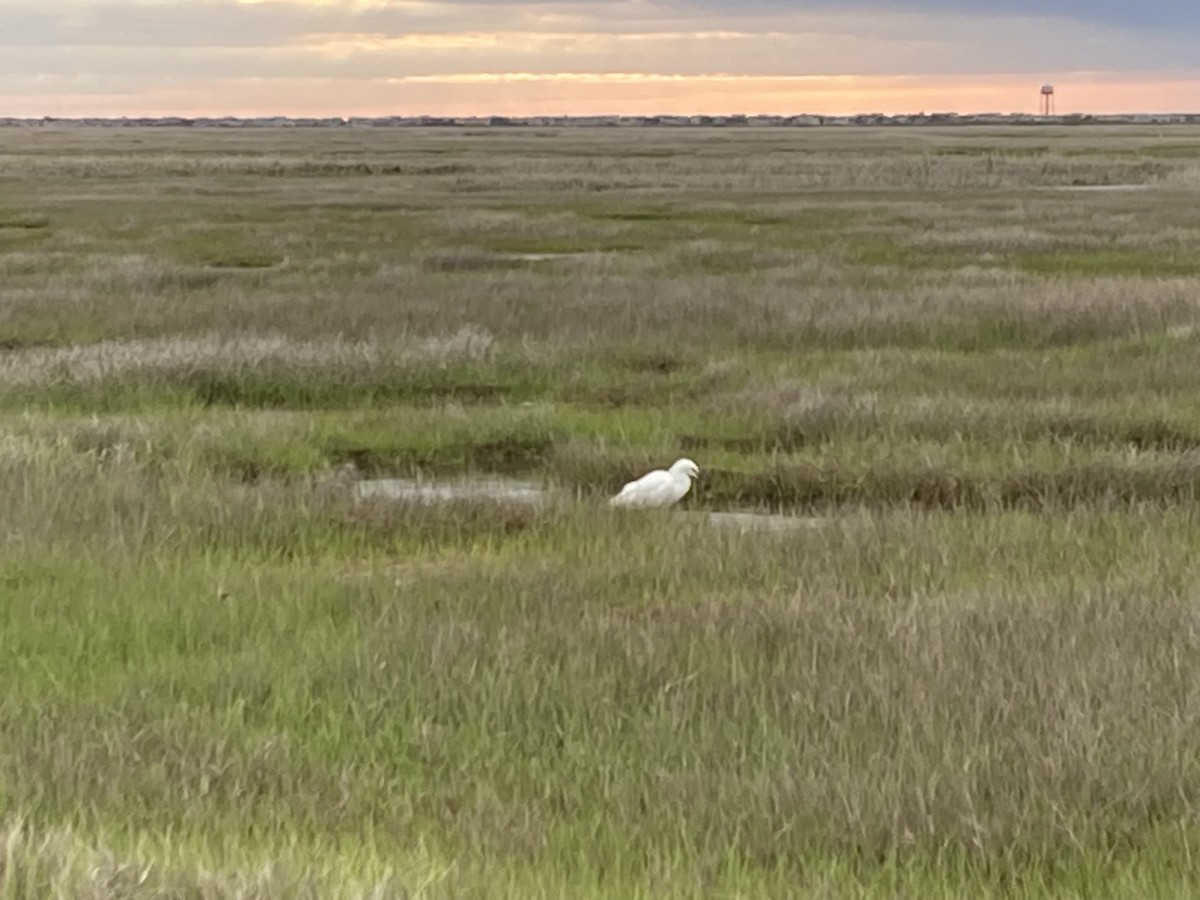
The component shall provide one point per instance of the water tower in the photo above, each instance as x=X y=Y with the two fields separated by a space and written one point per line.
x=1046 y=106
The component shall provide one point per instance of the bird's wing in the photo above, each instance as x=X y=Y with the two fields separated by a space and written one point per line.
x=663 y=492
x=646 y=491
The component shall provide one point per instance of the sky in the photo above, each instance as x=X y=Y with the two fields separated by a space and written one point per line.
x=584 y=57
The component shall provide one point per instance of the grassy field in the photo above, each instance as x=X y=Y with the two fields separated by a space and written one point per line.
x=971 y=355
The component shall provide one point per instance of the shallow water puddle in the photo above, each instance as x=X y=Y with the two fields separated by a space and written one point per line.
x=498 y=489
x=1102 y=187
x=745 y=521
x=549 y=256
x=510 y=490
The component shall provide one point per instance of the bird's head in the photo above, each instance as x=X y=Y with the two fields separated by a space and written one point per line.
x=685 y=467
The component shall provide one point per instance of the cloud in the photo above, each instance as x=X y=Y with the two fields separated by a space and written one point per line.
x=106 y=47
x=1124 y=13
x=231 y=23
x=277 y=39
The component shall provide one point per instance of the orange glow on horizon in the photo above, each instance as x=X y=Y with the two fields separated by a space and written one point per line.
x=520 y=94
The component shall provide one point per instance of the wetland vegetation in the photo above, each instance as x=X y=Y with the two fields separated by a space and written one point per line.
x=972 y=352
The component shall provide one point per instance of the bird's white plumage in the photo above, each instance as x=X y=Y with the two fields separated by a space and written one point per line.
x=662 y=487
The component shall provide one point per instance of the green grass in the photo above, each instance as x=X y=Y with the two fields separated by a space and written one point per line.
x=224 y=248
x=970 y=672
x=1114 y=261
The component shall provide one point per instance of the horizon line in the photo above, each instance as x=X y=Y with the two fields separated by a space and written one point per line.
x=511 y=117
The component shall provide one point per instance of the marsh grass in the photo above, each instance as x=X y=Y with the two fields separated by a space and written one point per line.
x=225 y=676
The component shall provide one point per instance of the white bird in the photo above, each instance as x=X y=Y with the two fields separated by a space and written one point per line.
x=662 y=487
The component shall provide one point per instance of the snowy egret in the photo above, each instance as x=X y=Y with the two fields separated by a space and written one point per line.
x=662 y=487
